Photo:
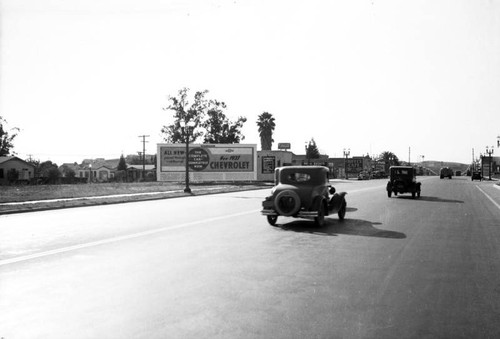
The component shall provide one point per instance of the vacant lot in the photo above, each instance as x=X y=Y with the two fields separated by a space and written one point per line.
x=32 y=198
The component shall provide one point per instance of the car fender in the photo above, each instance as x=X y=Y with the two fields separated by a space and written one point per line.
x=336 y=202
x=318 y=200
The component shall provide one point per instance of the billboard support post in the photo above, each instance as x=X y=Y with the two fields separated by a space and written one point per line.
x=186 y=133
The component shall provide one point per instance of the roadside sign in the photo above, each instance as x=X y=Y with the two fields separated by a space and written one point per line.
x=284 y=145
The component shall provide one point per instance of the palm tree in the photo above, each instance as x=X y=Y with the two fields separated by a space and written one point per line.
x=390 y=159
x=266 y=127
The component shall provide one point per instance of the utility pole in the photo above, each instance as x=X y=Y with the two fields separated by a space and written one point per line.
x=144 y=153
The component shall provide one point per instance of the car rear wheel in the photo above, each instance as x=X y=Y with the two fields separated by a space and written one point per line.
x=320 y=219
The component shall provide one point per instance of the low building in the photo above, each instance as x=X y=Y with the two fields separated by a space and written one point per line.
x=350 y=167
x=14 y=169
x=267 y=161
x=490 y=166
x=135 y=172
x=103 y=173
x=303 y=160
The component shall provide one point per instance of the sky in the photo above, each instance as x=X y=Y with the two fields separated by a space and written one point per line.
x=85 y=78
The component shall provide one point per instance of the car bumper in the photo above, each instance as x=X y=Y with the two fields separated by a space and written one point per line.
x=300 y=214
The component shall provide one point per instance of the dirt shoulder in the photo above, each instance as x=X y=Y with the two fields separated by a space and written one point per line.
x=22 y=199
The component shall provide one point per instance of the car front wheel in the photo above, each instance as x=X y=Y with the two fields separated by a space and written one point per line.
x=342 y=211
x=271 y=219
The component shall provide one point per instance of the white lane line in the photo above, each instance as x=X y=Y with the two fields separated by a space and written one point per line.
x=490 y=198
x=117 y=239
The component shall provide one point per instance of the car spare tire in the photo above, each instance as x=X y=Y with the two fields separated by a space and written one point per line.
x=287 y=203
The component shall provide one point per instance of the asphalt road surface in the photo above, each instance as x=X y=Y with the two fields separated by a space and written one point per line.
x=211 y=267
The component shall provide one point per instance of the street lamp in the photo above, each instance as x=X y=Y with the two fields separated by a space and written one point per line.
x=185 y=132
x=347 y=152
x=307 y=154
x=90 y=173
x=490 y=152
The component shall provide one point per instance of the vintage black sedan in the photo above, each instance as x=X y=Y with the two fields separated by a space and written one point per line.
x=303 y=192
x=403 y=179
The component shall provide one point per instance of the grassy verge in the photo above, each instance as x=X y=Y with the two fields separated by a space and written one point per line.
x=15 y=199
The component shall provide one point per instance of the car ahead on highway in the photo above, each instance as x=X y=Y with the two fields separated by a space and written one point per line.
x=403 y=179
x=445 y=172
x=476 y=175
x=303 y=192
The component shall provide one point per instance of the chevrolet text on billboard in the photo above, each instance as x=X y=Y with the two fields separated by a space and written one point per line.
x=207 y=162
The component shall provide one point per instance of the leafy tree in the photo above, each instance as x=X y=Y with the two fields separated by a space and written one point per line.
x=266 y=126
x=219 y=129
x=184 y=111
x=390 y=159
x=49 y=171
x=53 y=174
x=6 y=138
x=312 y=151
x=122 y=164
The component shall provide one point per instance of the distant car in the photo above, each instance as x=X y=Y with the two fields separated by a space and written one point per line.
x=303 y=192
x=379 y=175
x=403 y=180
x=363 y=176
x=476 y=175
x=445 y=172
x=458 y=173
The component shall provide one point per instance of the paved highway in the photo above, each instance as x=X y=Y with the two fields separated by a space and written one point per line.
x=211 y=267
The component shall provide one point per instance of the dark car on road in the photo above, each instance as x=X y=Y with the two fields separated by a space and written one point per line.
x=445 y=172
x=476 y=175
x=403 y=179
x=303 y=192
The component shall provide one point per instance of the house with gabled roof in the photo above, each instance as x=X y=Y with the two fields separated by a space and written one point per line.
x=24 y=171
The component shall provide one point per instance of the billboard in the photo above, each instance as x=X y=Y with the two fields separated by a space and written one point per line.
x=207 y=162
